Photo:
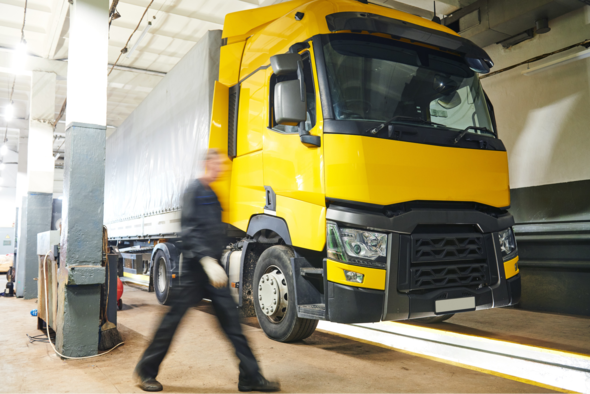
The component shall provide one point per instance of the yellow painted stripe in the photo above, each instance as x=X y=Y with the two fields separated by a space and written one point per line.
x=374 y=278
x=454 y=334
x=456 y=364
x=511 y=268
x=141 y=278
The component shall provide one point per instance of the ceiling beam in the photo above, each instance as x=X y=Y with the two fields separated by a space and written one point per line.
x=128 y=7
x=59 y=67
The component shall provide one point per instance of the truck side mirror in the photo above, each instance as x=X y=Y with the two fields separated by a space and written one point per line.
x=289 y=109
x=289 y=97
x=290 y=102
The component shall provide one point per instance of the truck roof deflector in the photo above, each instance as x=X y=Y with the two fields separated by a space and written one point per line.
x=477 y=59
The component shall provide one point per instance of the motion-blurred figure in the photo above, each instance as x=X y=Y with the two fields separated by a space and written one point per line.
x=203 y=239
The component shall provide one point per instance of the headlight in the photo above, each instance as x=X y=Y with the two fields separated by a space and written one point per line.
x=355 y=243
x=507 y=242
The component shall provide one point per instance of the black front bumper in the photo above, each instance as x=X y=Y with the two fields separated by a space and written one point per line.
x=347 y=304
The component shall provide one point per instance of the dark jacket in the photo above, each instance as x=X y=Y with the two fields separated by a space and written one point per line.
x=203 y=233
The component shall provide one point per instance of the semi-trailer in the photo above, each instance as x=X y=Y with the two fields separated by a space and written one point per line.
x=367 y=181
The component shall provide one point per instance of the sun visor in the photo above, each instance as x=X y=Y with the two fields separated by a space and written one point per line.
x=475 y=57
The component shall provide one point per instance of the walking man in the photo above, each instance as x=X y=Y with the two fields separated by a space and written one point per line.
x=203 y=239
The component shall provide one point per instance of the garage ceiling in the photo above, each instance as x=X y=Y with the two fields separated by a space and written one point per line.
x=176 y=26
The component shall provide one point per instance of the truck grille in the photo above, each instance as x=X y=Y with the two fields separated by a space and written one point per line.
x=434 y=277
x=428 y=248
x=445 y=260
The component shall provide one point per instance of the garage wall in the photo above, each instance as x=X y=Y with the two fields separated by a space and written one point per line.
x=543 y=118
x=544 y=121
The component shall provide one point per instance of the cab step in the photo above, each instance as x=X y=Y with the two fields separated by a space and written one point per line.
x=308 y=271
x=312 y=311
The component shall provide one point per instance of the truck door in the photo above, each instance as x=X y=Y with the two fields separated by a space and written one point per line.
x=293 y=170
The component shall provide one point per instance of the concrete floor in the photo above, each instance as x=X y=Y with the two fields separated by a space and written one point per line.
x=202 y=361
x=559 y=332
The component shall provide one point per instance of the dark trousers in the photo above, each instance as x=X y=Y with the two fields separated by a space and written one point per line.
x=227 y=314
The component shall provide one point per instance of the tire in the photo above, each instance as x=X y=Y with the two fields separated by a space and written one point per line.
x=433 y=319
x=283 y=325
x=161 y=280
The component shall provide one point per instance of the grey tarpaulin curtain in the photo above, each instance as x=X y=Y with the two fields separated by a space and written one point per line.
x=155 y=153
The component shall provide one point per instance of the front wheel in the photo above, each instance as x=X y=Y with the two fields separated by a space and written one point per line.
x=274 y=297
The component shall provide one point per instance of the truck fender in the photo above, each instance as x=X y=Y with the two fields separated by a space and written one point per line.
x=267 y=222
x=173 y=260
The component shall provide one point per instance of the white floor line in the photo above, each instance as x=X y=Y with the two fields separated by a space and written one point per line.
x=553 y=368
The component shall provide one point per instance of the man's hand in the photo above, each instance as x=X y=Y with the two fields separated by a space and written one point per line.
x=214 y=271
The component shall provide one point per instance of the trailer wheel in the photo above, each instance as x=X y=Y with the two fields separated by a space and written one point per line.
x=432 y=319
x=161 y=279
x=274 y=297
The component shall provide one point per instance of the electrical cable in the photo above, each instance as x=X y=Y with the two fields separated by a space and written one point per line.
x=162 y=6
x=585 y=43
x=62 y=144
x=47 y=325
x=22 y=30
x=61 y=113
x=38 y=338
x=124 y=50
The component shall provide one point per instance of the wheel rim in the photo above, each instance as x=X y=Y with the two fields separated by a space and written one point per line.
x=273 y=297
x=161 y=275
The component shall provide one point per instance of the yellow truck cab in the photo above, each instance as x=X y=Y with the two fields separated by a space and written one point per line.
x=365 y=168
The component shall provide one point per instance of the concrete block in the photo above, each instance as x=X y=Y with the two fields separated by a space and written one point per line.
x=83 y=205
x=78 y=323
x=90 y=275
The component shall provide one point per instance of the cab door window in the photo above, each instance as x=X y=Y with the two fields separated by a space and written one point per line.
x=309 y=93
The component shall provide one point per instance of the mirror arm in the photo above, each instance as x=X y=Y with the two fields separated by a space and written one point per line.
x=301 y=80
x=308 y=139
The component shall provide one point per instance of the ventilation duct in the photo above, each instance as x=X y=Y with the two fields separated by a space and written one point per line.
x=508 y=22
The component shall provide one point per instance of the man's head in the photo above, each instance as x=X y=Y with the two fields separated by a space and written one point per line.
x=214 y=164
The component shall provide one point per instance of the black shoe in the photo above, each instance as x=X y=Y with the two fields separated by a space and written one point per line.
x=147 y=384
x=258 y=383
x=150 y=384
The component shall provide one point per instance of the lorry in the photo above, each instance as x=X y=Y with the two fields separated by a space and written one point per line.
x=366 y=178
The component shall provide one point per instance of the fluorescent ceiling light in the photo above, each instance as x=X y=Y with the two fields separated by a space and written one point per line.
x=21 y=48
x=9 y=112
x=147 y=28
x=4 y=149
x=21 y=55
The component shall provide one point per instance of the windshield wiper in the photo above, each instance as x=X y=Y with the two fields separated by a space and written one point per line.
x=377 y=129
x=466 y=130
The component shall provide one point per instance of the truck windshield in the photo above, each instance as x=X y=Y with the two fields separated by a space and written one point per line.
x=379 y=79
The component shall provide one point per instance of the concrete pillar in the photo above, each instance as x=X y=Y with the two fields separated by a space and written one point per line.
x=21 y=192
x=36 y=212
x=81 y=273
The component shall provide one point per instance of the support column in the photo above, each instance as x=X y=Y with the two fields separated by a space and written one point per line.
x=81 y=273
x=37 y=204
x=21 y=192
